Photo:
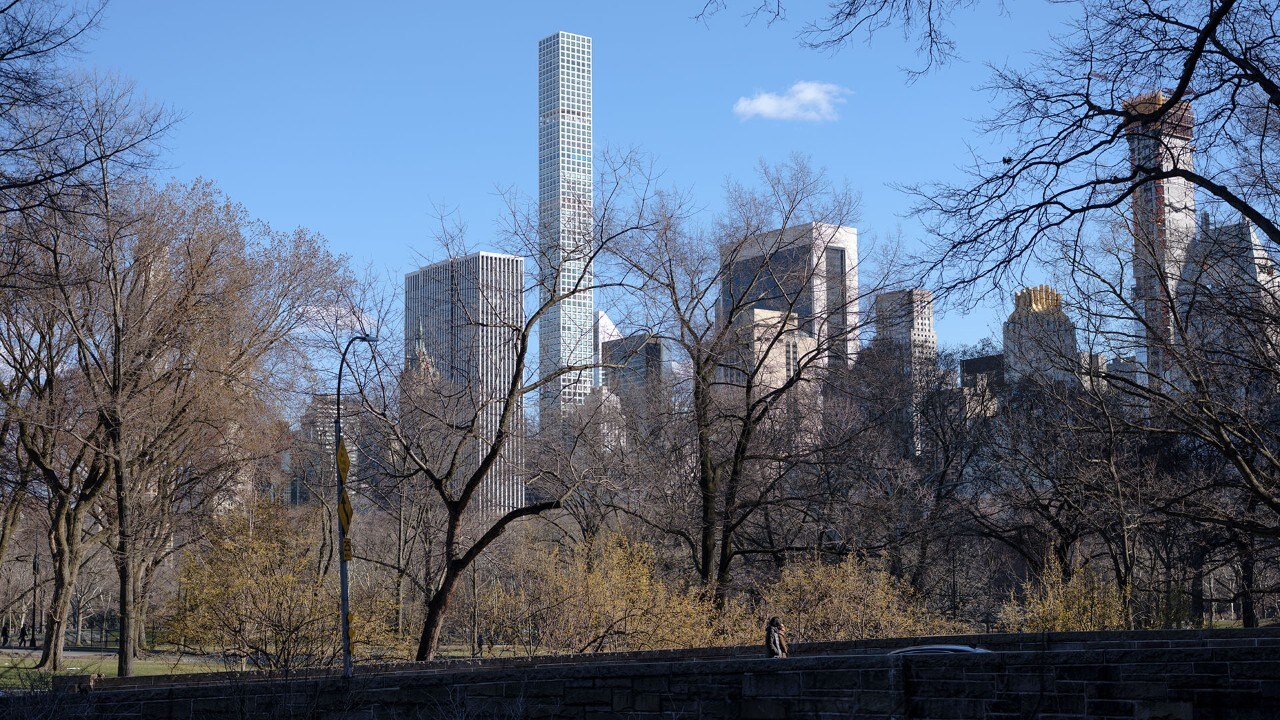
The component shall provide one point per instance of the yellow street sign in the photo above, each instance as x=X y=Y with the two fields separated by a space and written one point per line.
x=346 y=549
x=344 y=511
x=344 y=460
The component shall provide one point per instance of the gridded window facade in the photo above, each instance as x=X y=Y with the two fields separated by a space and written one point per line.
x=565 y=217
x=464 y=317
x=904 y=319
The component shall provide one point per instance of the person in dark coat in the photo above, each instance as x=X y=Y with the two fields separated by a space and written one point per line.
x=775 y=638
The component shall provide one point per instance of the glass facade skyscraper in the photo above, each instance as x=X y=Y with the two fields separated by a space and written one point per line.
x=565 y=219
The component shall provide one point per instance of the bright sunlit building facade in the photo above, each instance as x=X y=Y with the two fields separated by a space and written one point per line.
x=565 y=220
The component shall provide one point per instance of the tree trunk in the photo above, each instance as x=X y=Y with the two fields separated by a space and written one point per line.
x=437 y=607
x=400 y=568
x=727 y=517
x=919 y=566
x=142 y=592
x=1248 y=612
x=475 y=613
x=140 y=645
x=127 y=595
x=13 y=509
x=1195 y=613
x=708 y=480
x=709 y=532
x=1062 y=553
x=65 y=548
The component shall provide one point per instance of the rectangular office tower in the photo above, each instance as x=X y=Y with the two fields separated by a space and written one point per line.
x=463 y=317
x=905 y=334
x=565 y=219
x=904 y=326
x=809 y=271
x=636 y=364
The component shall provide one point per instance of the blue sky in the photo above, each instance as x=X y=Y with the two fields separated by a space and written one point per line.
x=358 y=119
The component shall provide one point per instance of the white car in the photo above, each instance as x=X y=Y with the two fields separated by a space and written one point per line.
x=938 y=650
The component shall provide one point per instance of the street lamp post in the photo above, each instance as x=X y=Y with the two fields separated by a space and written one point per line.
x=341 y=463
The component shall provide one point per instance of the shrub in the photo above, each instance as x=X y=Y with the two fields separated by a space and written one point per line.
x=849 y=600
x=604 y=596
x=1083 y=602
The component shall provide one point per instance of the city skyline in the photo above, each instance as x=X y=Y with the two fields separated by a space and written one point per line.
x=422 y=161
x=688 y=384
x=754 y=111
x=1163 y=215
x=570 y=332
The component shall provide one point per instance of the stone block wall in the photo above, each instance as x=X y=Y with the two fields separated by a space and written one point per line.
x=1174 y=675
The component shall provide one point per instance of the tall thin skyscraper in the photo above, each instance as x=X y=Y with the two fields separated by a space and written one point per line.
x=565 y=219
x=463 y=317
x=1164 y=219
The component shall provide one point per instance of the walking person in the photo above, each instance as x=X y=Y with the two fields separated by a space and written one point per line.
x=22 y=635
x=4 y=634
x=775 y=638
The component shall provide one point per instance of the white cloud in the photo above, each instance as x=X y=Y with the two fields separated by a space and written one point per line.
x=809 y=101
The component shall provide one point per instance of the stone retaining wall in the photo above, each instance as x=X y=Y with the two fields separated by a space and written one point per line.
x=1178 y=675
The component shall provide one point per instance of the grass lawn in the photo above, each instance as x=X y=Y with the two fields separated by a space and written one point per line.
x=17 y=667
x=17 y=671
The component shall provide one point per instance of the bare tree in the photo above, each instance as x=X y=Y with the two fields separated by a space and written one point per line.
x=57 y=428
x=845 y=21
x=736 y=301
x=50 y=131
x=159 y=313
x=457 y=438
